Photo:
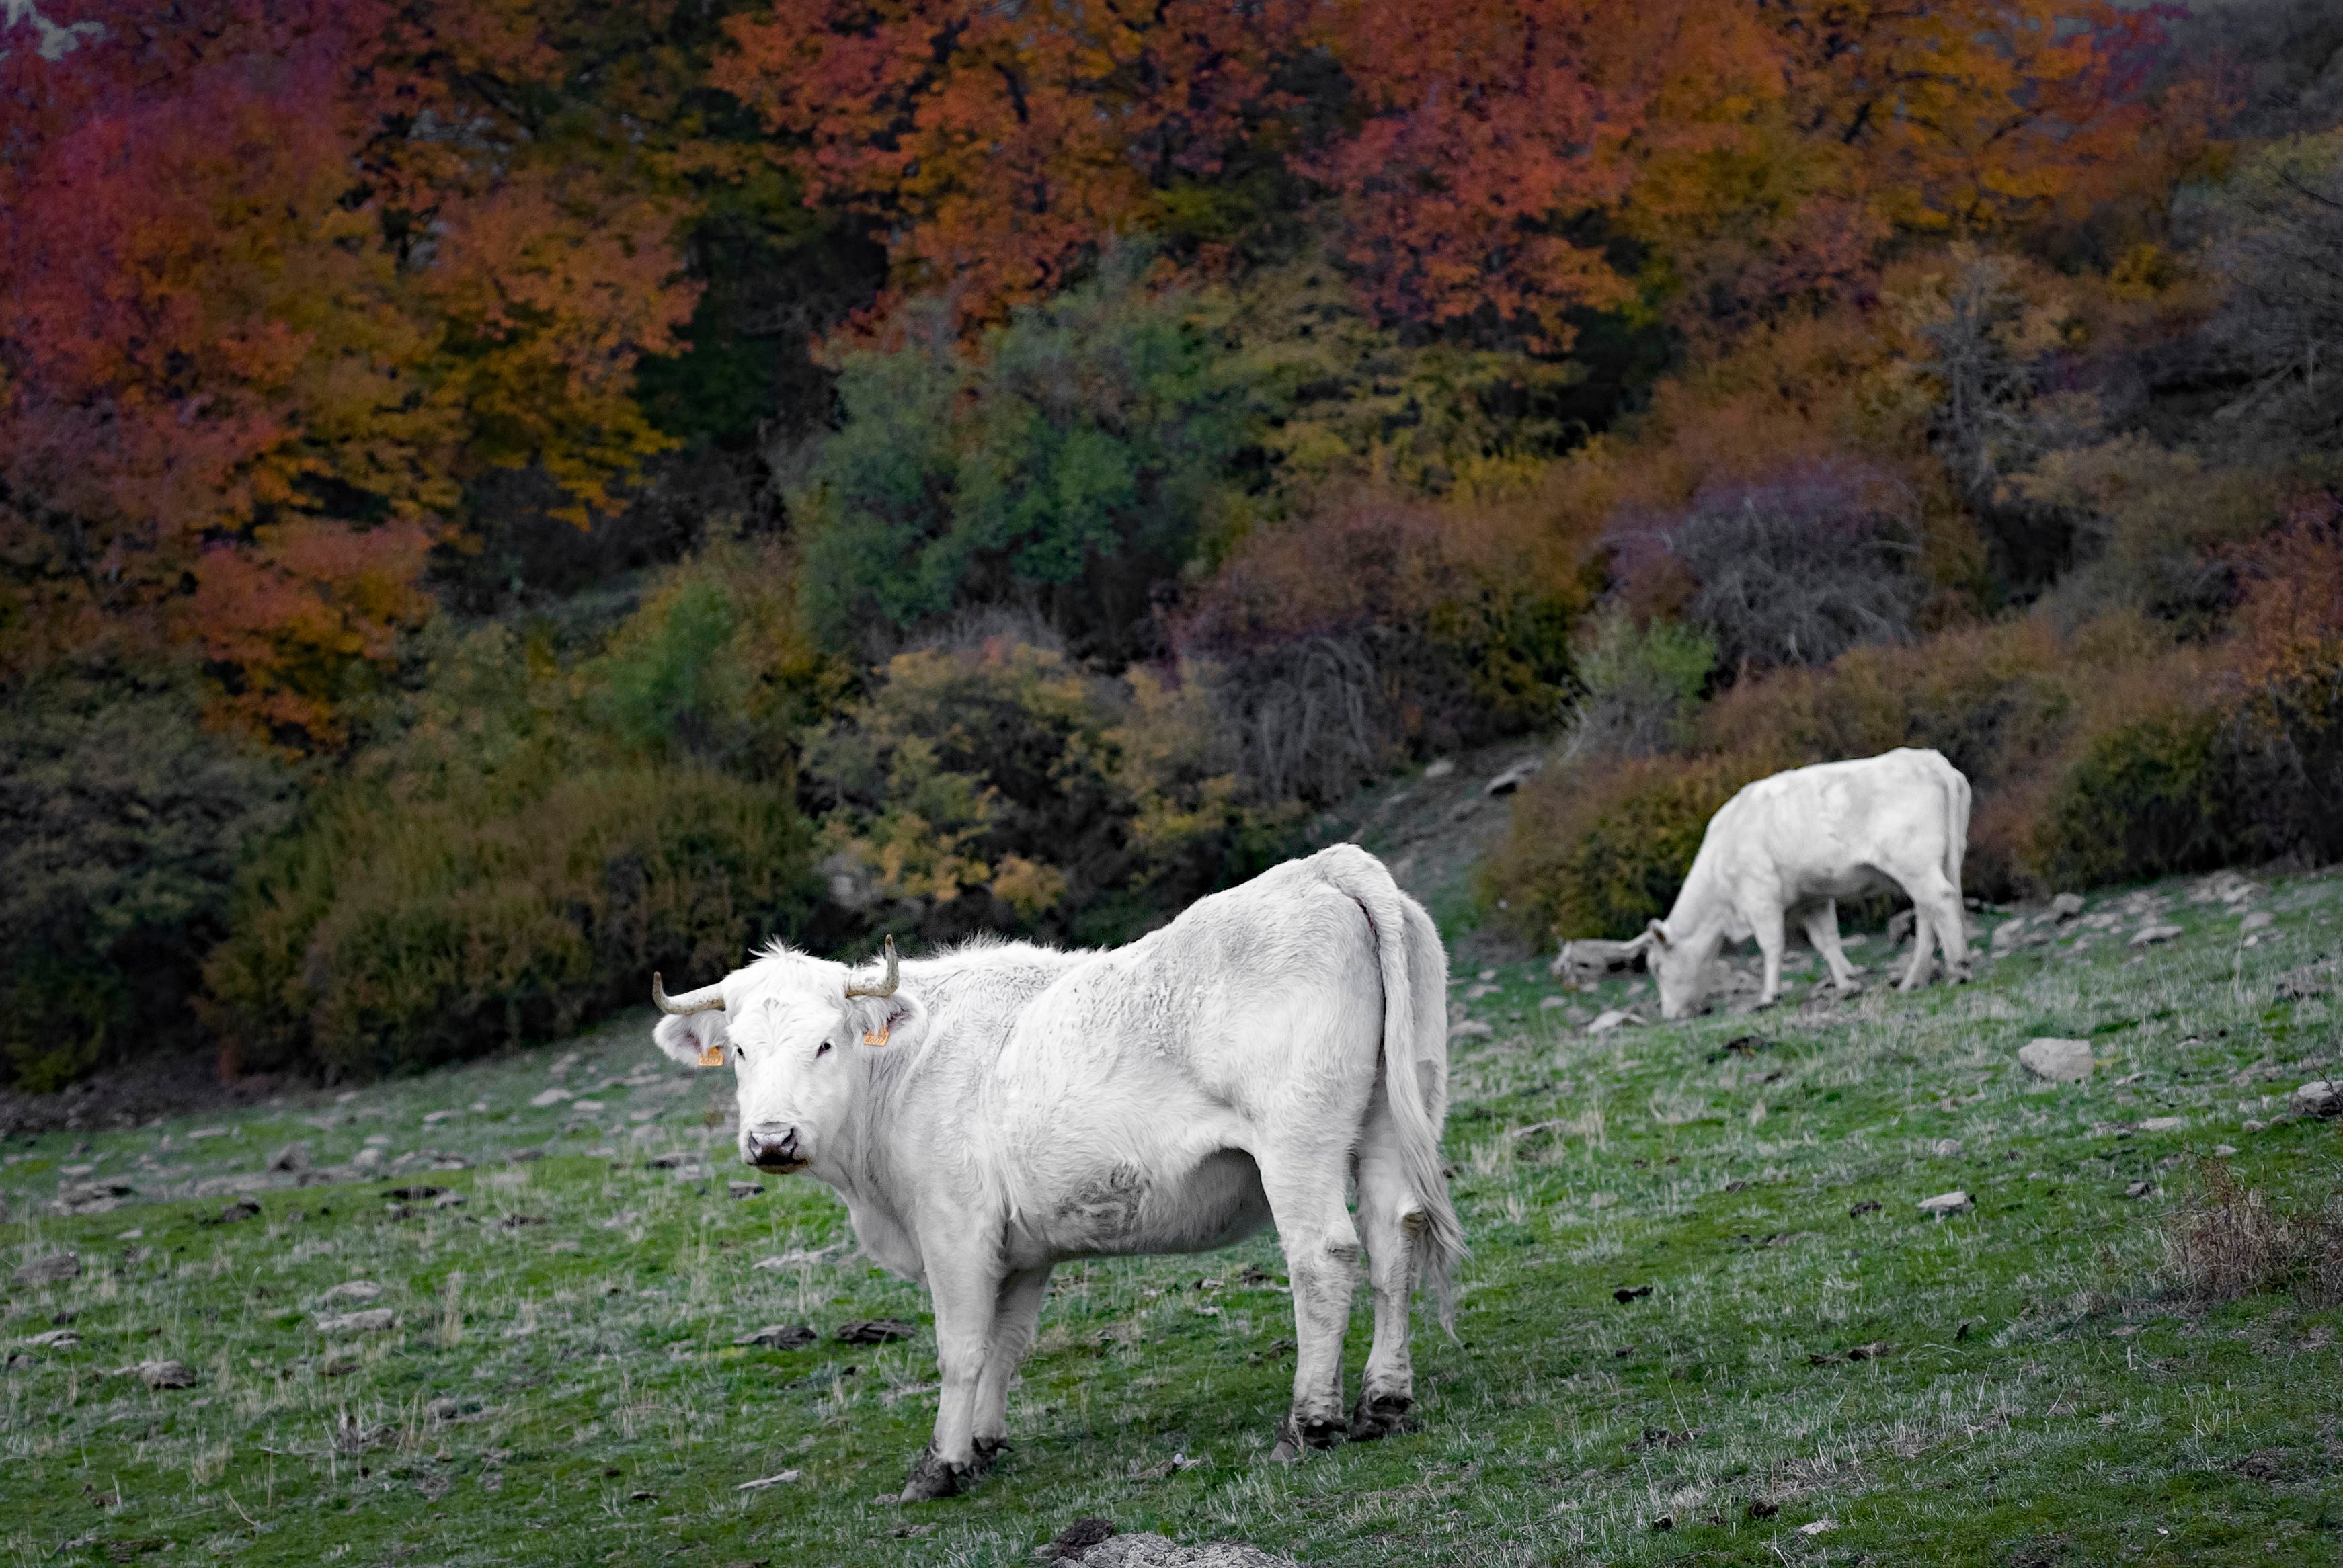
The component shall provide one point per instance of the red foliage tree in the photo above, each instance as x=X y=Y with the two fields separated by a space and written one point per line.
x=263 y=311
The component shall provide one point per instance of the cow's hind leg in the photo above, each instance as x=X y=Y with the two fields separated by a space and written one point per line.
x=1322 y=1247
x=1938 y=904
x=1391 y=1219
x=1016 y=1314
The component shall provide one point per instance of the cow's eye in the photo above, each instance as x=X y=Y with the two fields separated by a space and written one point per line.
x=821 y=1050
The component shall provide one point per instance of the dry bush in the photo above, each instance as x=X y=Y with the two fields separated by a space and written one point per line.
x=1376 y=625
x=1795 y=568
x=2228 y=1240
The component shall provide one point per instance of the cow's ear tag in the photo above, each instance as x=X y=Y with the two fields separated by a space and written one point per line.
x=711 y=1056
x=879 y=1036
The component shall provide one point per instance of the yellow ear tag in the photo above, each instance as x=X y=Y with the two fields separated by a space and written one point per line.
x=879 y=1036
x=711 y=1056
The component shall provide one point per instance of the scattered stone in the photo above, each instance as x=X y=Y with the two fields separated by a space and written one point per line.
x=783 y=1479
x=1075 y=1539
x=2060 y=1061
x=1870 y=1353
x=779 y=1337
x=1147 y=1551
x=55 y=1269
x=449 y=1200
x=1626 y=1293
x=875 y=1331
x=1945 y=1203
x=242 y=1209
x=2257 y=920
x=523 y=1156
x=416 y=1194
x=1470 y=1028
x=89 y=1198
x=1868 y=1206
x=372 y=1320
x=291 y=1158
x=1615 y=1018
x=367 y=1158
x=1546 y=1003
x=544 y=1098
x=1817 y=1526
x=54 y=1340
x=745 y=1189
x=2319 y=1096
x=1946 y=1149
x=433 y=1117
x=1589 y=959
x=162 y=1374
x=2065 y=907
x=2139 y=1189
x=1439 y=768
x=670 y=1161
x=2223 y=1150
x=2164 y=1124
x=1513 y=778
x=358 y=1291
x=2147 y=936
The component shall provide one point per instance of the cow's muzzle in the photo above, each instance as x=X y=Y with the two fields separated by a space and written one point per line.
x=774 y=1149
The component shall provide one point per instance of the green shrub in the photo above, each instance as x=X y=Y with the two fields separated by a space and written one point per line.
x=995 y=785
x=121 y=823
x=1597 y=849
x=1066 y=464
x=2145 y=797
x=400 y=929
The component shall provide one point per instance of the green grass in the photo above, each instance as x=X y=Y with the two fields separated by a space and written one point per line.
x=566 y=1389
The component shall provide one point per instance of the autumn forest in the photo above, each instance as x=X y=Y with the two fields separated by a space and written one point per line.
x=498 y=497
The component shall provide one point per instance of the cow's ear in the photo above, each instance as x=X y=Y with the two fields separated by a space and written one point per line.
x=894 y=1023
x=1658 y=934
x=695 y=1040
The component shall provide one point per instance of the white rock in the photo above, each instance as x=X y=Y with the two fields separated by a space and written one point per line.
x=1470 y=1029
x=1946 y=1149
x=2164 y=1124
x=783 y=1479
x=1616 y=1017
x=2223 y=1150
x=1513 y=778
x=373 y=1320
x=359 y=1291
x=2066 y=906
x=2060 y=1061
x=2147 y=935
x=55 y=1340
x=367 y=1158
x=544 y=1097
x=1439 y=768
x=1547 y=1002
x=2319 y=1096
x=2256 y=920
x=1817 y=1526
x=1945 y=1203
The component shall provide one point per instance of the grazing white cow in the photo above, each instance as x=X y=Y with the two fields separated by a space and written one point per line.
x=994 y=1111
x=1799 y=841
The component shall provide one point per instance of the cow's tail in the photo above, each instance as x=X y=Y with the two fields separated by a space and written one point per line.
x=1957 y=838
x=1413 y=966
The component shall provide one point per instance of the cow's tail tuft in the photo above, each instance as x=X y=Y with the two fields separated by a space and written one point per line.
x=1413 y=966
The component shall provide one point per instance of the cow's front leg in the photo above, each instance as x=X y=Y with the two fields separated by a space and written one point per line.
x=965 y=1284
x=1822 y=930
x=1766 y=925
x=1017 y=1313
x=1322 y=1248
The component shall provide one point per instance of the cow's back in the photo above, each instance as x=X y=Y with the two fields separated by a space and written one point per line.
x=1821 y=823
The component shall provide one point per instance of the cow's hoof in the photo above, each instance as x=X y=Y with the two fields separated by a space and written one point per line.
x=1294 y=1436
x=1379 y=1415
x=988 y=1450
x=932 y=1477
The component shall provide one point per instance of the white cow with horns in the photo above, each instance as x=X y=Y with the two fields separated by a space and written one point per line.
x=1799 y=841
x=992 y=1111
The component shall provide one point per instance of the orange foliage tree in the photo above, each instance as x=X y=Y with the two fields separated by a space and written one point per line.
x=1477 y=158
x=264 y=311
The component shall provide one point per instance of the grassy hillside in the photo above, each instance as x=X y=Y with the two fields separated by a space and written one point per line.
x=1810 y=1379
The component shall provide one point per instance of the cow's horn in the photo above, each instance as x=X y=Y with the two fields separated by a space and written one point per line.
x=886 y=987
x=683 y=1009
